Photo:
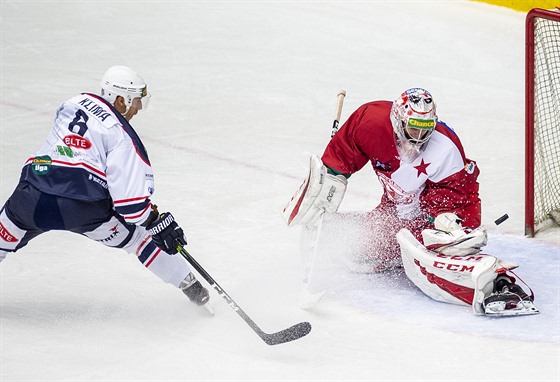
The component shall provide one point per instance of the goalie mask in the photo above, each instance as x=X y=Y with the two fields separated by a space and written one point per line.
x=123 y=81
x=413 y=116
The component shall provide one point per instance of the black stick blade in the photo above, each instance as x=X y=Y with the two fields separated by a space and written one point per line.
x=292 y=333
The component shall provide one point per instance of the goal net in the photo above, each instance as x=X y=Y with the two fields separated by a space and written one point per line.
x=542 y=124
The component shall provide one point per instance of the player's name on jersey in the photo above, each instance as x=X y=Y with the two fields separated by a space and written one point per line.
x=94 y=108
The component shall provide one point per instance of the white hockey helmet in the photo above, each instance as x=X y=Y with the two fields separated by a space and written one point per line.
x=413 y=116
x=125 y=82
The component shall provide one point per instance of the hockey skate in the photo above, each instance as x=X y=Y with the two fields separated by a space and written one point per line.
x=508 y=299
x=194 y=290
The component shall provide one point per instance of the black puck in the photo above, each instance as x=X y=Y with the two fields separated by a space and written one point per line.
x=501 y=219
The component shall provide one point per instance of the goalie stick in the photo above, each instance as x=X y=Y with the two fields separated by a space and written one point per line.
x=306 y=298
x=341 y=95
x=292 y=333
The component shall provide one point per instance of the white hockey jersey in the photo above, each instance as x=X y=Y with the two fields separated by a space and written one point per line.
x=93 y=153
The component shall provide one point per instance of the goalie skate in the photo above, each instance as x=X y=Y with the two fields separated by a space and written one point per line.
x=508 y=299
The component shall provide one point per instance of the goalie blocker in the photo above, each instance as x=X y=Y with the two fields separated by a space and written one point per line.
x=479 y=280
x=320 y=192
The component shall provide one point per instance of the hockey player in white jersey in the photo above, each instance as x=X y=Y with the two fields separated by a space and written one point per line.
x=92 y=176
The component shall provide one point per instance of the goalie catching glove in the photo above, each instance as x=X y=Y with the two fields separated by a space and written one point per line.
x=450 y=238
x=166 y=233
x=320 y=192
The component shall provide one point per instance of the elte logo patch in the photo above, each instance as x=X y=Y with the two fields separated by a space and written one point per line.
x=6 y=235
x=76 y=141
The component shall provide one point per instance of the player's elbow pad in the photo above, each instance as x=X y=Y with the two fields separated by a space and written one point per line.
x=320 y=192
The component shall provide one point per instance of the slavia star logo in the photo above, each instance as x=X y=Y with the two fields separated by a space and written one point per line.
x=421 y=168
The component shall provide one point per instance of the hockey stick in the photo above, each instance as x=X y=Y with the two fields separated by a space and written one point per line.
x=341 y=95
x=292 y=333
x=308 y=299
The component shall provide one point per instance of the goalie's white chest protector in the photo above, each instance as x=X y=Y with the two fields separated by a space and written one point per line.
x=440 y=159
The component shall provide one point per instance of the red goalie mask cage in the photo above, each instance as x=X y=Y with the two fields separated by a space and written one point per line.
x=542 y=120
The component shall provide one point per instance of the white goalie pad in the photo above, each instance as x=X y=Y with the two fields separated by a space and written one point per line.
x=320 y=192
x=462 y=280
x=456 y=242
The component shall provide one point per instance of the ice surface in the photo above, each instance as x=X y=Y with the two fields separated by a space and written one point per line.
x=242 y=92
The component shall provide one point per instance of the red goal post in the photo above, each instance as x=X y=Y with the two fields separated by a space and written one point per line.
x=542 y=120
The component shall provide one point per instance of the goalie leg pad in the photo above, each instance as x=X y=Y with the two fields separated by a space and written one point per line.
x=461 y=280
x=320 y=192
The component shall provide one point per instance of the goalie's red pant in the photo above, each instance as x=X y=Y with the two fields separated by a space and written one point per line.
x=382 y=225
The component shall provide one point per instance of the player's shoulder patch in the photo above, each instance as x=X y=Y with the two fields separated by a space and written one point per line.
x=470 y=167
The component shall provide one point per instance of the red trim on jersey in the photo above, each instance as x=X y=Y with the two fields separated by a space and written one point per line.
x=130 y=199
x=131 y=217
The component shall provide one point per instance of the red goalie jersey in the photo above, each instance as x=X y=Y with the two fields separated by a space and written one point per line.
x=439 y=179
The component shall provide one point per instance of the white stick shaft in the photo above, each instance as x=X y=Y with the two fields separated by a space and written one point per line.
x=311 y=234
x=341 y=95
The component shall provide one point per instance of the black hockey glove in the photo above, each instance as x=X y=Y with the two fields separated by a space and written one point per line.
x=166 y=233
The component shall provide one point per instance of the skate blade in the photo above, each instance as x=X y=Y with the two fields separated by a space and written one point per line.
x=208 y=308
x=497 y=309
